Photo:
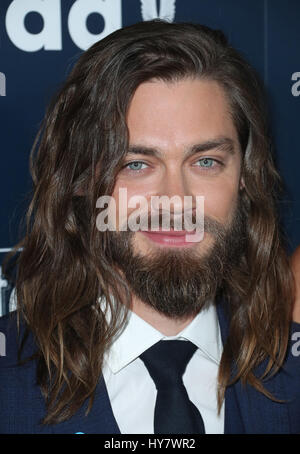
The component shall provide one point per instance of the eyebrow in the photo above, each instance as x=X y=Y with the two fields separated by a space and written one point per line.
x=225 y=144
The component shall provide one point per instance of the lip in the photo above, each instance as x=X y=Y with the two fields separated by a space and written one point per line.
x=170 y=238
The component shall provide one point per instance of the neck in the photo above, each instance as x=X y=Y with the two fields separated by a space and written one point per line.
x=165 y=325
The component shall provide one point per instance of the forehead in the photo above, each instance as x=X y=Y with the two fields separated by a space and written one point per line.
x=164 y=114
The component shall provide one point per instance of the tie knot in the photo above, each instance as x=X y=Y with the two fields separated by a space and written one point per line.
x=166 y=361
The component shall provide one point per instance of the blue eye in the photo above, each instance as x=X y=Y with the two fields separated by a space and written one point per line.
x=135 y=165
x=206 y=162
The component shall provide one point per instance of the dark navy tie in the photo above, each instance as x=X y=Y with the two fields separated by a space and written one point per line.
x=174 y=413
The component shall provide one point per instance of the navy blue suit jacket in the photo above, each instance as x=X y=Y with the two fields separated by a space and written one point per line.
x=246 y=410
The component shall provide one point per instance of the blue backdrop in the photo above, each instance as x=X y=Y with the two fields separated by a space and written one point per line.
x=40 y=40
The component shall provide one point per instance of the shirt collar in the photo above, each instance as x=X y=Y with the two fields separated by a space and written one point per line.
x=138 y=336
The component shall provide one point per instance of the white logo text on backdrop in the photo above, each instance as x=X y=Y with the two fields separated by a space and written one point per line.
x=50 y=37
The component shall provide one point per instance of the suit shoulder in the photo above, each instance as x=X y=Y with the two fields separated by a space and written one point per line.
x=8 y=322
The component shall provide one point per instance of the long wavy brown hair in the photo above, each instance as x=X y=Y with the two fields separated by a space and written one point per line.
x=65 y=268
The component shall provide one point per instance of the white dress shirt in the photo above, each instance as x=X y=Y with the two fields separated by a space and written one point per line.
x=132 y=391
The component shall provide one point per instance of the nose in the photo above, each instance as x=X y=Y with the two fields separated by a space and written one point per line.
x=174 y=185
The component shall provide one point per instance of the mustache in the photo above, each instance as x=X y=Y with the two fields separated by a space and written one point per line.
x=163 y=221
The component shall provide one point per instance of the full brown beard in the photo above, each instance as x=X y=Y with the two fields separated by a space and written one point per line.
x=181 y=282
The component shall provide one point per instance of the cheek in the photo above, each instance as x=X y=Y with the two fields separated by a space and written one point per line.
x=125 y=192
x=220 y=201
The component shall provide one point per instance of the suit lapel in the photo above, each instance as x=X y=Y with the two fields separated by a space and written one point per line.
x=100 y=420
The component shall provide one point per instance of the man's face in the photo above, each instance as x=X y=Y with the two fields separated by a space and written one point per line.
x=170 y=119
x=167 y=123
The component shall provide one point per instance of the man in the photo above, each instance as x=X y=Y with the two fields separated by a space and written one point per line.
x=147 y=331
